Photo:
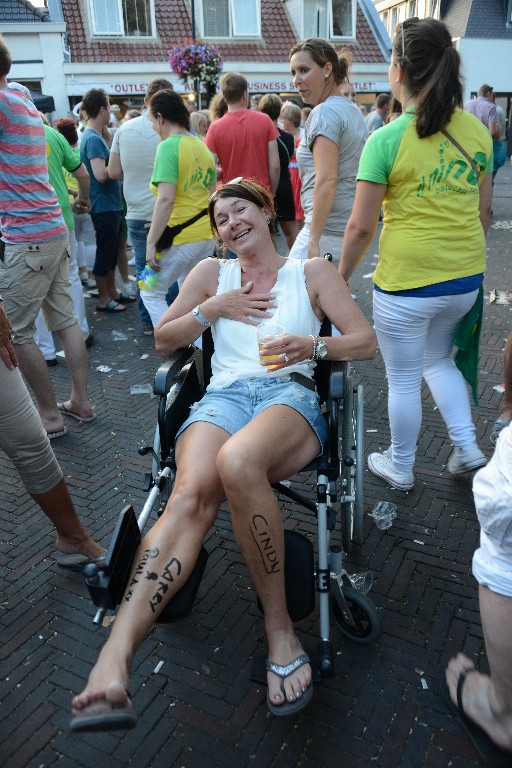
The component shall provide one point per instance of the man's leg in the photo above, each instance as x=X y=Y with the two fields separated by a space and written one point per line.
x=24 y=440
x=488 y=700
x=106 y=226
x=76 y=360
x=34 y=369
x=60 y=510
x=138 y=237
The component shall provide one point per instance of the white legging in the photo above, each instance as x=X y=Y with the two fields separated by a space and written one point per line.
x=415 y=338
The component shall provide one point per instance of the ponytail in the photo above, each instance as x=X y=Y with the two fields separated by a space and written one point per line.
x=431 y=72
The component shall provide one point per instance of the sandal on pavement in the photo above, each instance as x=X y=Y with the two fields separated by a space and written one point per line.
x=105 y=716
x=75 y=561
x=68 y=412
x=123 y=298
x=289 y=707
x=486 y=748
x=111 y=306
x=499 y=425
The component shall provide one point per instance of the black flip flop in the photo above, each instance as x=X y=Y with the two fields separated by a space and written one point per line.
x=289 y=707
x=110 y=719
x=486 y=748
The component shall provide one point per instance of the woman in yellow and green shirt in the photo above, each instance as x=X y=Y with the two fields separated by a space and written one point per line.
x=431 y=170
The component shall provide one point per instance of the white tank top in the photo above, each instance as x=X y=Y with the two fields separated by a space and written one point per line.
x=236 y=347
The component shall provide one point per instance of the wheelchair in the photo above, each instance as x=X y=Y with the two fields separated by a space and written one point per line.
x=178 y=383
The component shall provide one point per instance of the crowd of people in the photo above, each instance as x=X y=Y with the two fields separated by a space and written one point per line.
x=183 y=185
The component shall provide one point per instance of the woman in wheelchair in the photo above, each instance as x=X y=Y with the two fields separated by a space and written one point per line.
x=258 y=423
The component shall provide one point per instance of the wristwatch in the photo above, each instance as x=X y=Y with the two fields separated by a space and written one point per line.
x=201 y=319
x=321 y=349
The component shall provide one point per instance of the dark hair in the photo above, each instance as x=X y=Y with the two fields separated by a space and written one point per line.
x=245 y=189
x=382 y=100
x=93 y=101
x=271 y=105
x=170 y=106
x=66 y=126
x=158 y=84
x=233 y=86
x=431 y=71
x=5 y=57
x=322 y=52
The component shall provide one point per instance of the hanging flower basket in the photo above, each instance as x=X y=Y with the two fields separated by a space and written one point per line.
x=196 y=60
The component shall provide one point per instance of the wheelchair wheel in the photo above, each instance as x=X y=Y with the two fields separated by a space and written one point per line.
x=364 y=613
x=351 y=469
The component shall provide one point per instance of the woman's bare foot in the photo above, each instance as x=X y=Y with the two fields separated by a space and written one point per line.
x=283 y=648
x=108 y=681
x=83 y=545
x=478 y=700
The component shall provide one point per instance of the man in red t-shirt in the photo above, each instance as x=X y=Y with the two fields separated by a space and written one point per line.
x=244 y=142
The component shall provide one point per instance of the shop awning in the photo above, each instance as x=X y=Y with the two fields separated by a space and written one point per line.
x=42 y=102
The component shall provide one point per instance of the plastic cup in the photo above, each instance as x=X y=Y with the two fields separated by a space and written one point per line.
x=384 y=513
x=266 y=332
x=361 y=581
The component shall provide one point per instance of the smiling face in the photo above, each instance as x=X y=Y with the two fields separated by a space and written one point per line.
x=241 y=224
x=311 y=80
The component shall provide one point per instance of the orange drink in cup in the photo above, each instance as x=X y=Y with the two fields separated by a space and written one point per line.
x=266 y=332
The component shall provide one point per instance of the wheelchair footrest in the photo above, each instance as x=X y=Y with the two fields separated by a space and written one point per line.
x=107 y=585
x=299 y=570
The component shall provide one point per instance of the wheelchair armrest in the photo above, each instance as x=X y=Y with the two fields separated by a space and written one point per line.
x=339 y=371
x=170 y=369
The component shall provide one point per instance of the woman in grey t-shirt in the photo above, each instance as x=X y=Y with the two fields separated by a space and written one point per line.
x=328 y=154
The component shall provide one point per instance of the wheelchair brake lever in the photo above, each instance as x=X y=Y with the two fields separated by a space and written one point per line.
x=145 y=449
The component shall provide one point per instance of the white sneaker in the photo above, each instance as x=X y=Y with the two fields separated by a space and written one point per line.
x=381 y=465
x=466 y=459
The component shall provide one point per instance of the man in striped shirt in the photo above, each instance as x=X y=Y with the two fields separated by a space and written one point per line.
x=34 y=272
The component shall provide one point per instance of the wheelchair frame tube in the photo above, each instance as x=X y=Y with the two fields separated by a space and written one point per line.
x=323 y=556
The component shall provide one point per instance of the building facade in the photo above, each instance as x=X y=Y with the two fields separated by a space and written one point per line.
x=481 y=31
x=120 y=45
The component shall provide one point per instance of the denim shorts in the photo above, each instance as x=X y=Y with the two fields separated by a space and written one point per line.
x=231 y=408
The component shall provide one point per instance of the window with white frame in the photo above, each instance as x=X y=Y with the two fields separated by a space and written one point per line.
x=413 y=9
x=122 y=18
x=230 y=18
x=433 y=9
x=331 y=19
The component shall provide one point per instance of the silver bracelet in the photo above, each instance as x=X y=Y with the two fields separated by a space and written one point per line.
x=313 y=356
x=201 y=319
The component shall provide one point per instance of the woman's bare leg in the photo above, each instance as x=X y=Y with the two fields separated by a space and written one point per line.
x=163 y=562
x=274 y=445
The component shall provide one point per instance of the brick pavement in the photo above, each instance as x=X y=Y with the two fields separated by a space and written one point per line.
x=201 y=709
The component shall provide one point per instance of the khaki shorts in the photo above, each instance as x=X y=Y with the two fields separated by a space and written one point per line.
x=34 y=277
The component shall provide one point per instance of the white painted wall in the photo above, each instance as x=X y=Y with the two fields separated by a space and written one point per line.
x=485 y=61
x=41 y=44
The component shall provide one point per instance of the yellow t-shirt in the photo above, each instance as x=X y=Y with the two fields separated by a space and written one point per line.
x=186 y=162
x=432 y=230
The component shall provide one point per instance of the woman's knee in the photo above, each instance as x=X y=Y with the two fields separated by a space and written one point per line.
x=192 y=505
x=238 y=466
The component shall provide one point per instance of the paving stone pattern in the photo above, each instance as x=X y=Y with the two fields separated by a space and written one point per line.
x=382 y=709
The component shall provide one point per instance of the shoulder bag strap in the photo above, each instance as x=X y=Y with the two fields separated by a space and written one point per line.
x=461 y=149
